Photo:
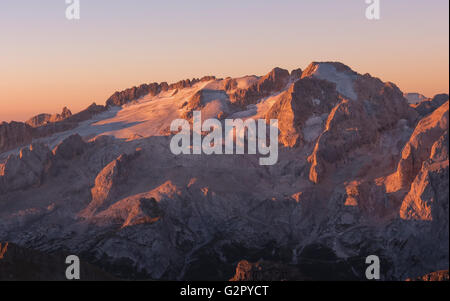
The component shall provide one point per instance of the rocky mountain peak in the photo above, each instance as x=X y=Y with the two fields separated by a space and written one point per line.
x=360 y=171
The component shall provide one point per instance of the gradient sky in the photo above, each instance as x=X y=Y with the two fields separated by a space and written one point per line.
x=47 y=62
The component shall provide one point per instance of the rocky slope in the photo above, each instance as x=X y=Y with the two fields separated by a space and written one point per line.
x=28 y=265
x=18 y=134
x=360 y=172
x=43 y=119
x=429 y=105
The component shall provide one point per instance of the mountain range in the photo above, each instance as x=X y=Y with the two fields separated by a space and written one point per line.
x=363 y=170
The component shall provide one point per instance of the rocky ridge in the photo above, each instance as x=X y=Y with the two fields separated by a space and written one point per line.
x=360 y=172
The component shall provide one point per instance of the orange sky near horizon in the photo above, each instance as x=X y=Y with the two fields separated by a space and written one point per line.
x=48 y=62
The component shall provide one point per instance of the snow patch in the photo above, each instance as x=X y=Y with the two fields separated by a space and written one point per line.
x=414 y=98
x=313 y=128
x=343 y=80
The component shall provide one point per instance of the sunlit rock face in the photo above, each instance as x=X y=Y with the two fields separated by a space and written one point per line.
x=273 y=82
x=14 y=134
x=434 y=276
x=360 y=172
x=43 y=119
x=367 y=108
x=428 y=131
x=109 y=183
x=427 y=198
x=305 y=99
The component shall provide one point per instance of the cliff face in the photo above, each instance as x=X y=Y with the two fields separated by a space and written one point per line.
x=43 y=119
x=427 y=106
x=120 y=98
x=428 y=141
x=14 y=134
x=360 y=172
x=275 y=81
x=18 y=134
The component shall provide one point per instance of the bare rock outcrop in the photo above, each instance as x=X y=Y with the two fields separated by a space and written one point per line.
x=427 y=199
x=296 y=74
x=3 y=250
x=146 y=211
x=30 y=167
x=128 y=95
x=120 y=98
x=339 y=74
x=275 y=81
x=434 y=276
x=70 y=147
x=368 y=108
x=427 y=106
x=212 y=104
x=371 y=200
x=18 y=134
x=39 y=120
x=15 y=134
x=66 y=113
x=83 y=115
x=132 y=212
x=110 y=183
x=418 y=149
x=26 y=169
x=187 y=83
x=306 y=98
x=43 y=119
x=313 y=68
x=266 y=271
x=346 y=130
